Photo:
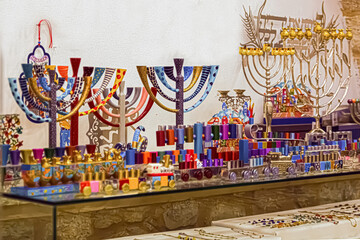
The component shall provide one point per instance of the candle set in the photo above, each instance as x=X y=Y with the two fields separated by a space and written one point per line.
x=220 y=153
x=202 y=135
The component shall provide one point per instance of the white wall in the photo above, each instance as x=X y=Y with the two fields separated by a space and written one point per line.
x=128 y=33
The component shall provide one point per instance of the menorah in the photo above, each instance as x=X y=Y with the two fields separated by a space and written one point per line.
x=207 y=73
x=268 y=68
x=51 y=103
x=318 y=55
x=128 y=114
x=355 y=110
x=325 y=75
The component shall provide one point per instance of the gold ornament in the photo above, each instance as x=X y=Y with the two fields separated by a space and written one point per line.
x=143 y=186
x=349 y=34
x=125 y=187
x=341 y=34
x=87 y=191
x=284 y=33
x=300 y=34
x=108 y=189
x=171 y=183
x=333 y=33
x=157 y=185
x=325 y=34
x=317 y=28
x=308 y=34
x=292 y=34
x=266 y=47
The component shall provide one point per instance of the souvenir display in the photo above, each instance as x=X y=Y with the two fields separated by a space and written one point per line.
x=304 y=73
x=284 y=107
x=205 y=233
x=339 y=220
x=292 y=62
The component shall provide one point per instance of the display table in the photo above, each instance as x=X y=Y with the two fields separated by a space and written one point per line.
x=213 y=232
x=320 y=222
x=72 y=216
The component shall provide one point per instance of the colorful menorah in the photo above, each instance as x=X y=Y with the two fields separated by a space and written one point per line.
x=207 y=73
x=51 y=103
x=128 y=114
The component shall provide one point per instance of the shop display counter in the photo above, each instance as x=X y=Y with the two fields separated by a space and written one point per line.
x=74 y=216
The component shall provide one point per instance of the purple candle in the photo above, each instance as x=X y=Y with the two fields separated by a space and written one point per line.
x=81 y=148
x=204 y=162
x=258 y=134
x=15 y=157
x=207 y=133
x=225 y=131
x=59 y=152
x=221 y=162
x=210 y=163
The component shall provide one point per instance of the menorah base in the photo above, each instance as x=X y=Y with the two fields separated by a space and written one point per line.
x=317 y=130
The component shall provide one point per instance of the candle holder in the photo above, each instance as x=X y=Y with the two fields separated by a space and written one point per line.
x=234 y=102
x=208 y=73
x=267 y=64
x=323 y=66
x=355 y=110
x=314 y=61
x=49 y=102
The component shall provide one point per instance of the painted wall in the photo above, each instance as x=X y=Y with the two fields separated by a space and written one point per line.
x=128 y=33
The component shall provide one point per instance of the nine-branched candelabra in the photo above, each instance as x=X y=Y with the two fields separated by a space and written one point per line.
x=204 y=73
x=263 y=70
x=321 y=66
x=55 y=105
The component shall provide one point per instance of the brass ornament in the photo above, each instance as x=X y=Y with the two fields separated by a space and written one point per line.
x=284 y=33
x=349 y=34
x=125 y=188
x=292 y=34
x=157 y=185
x=108 y=189
x=143 y=186
x=308 y=34
x=341 y=34
x=87 y=191
x=172 y=183
x=300 y=34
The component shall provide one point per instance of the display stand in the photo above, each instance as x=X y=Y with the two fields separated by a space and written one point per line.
x=75 y=216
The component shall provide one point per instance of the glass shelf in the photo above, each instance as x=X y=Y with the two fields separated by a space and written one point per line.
x=45 y=215
x=214 y=184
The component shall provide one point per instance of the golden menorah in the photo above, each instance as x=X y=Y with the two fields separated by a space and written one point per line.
x=321 y=67
x=315 y=66
x=265 y=65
